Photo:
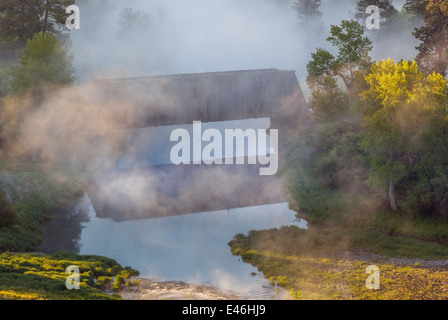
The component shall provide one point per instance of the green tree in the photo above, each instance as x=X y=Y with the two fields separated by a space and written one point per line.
x=353 y=55
x=402 y=108
x=433 y=50
x=44 y=61
x=328 y=101
x=330 y=169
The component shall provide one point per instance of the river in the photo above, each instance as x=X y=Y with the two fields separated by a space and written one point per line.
x=191 y=248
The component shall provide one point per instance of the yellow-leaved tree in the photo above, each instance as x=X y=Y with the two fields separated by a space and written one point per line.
x=404 y=122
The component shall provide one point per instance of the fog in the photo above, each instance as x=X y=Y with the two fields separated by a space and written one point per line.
x=205 y=36
x=194 y=37
x=182 y=37
x=187 y=37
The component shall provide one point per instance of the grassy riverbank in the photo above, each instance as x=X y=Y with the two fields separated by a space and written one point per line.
x=330 y=263
x=34 y=276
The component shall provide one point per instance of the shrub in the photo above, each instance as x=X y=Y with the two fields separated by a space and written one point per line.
x=102 y=282
x=119 y=279
x=132 y=271
x=125 y=274
x=119 y=282
x=45 y=60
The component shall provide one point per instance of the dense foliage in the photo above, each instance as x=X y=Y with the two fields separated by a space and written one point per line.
x=404 y=132
x=378 y=143
x=433 y=50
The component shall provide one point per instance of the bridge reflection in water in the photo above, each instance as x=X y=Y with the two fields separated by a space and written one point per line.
x=145 y=183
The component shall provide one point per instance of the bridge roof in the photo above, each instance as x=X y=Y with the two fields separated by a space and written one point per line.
x=233 y=73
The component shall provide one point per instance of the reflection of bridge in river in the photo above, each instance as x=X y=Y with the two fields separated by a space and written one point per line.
x=146 y=184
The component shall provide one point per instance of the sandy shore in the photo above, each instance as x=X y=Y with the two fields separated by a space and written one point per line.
x=149 y=289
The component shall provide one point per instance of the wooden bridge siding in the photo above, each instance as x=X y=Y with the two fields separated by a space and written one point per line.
x=184 y=99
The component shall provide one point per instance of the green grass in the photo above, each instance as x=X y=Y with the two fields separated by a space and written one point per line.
x=35 y=276
x=375 y=241
x=396 y=234
x=399 y=224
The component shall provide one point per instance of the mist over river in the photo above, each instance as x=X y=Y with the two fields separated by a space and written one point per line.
x=192 y=248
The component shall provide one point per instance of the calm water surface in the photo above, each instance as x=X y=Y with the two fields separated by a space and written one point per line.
x=192 y=248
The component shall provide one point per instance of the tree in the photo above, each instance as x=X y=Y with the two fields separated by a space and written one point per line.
x=433 y=51
x=335 y=137
x=415 y=7
x=353 y=55
x=133 y=23
x=309 y=16
x=328 y=101
x=44 y=61
x=402 y=108
x=21 y=20
x=308 y=10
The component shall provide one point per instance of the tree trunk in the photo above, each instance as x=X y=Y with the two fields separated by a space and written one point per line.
x=22 y=36
x=45 y=19
x=348 y=84
x=393 y=204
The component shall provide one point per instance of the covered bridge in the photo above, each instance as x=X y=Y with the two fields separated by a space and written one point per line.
x=144 y=184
